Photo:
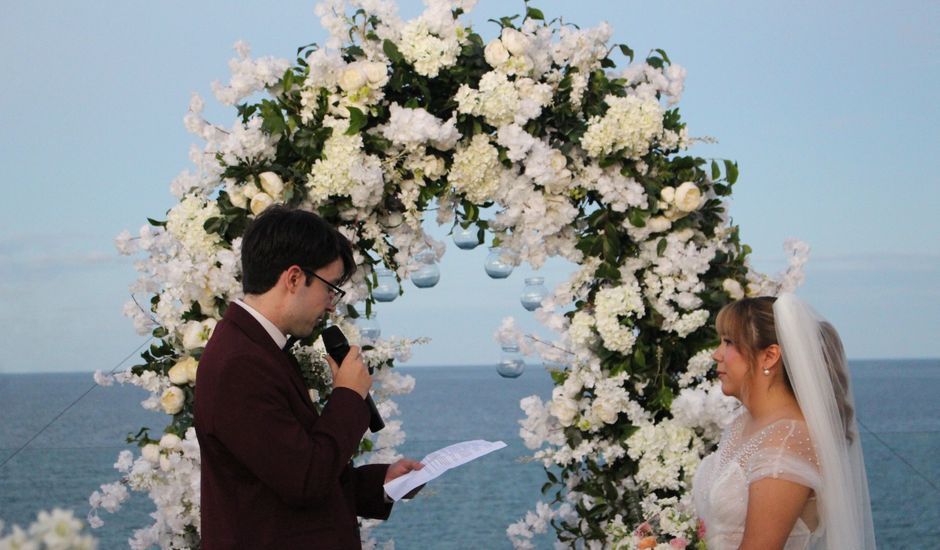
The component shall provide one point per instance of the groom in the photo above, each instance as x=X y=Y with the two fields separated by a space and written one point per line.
x=275 y=473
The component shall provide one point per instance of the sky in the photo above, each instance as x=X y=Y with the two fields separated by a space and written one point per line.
x=828 y=107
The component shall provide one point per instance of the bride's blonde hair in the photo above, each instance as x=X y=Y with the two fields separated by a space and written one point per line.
x=750 y=324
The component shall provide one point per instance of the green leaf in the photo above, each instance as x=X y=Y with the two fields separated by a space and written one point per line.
x=663 y=53
x=639 y=359
x=635 y=215
x=156 y=223
x=212 y=225
x=731 y=171
x=357 y=121
x=391 y=50
x=661 y=246
x=655 y=62
x=288 y=81
x=627 y=51
x=533 y=13
x=607 y=63
x=716 y=172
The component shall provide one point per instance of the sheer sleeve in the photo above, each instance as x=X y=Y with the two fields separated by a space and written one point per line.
x=786 y=452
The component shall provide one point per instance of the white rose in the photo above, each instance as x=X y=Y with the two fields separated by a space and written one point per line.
x=514 y=41
x=602 y=409
x=733 y=288
x=177 y=373
x=170 y=442
x=658 y=224
x=352 y=79
x=563 y=408
x=495 y=53
x=271 y=183
x=260 y=202
x=250 y=191
x=688 y=197
x=559 y=161
x=151 y=453
x=236 y=195
x=377 y=73
x=196 y=333
x=183 y=372
x=172 y=400
x=668 y=194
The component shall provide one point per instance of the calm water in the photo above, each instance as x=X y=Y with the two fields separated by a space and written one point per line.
x=468 y=508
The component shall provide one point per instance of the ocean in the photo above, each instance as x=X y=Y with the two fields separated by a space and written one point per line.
x=467 y=508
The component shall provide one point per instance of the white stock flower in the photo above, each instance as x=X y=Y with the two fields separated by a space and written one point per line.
x=611 y=305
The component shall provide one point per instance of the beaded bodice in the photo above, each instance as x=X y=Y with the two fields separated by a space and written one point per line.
x=780 y=450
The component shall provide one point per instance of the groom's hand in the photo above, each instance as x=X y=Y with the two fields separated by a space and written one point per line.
x=352 y=374
x=401 y=468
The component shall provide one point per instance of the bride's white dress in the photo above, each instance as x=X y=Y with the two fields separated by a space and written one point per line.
x=781 y=450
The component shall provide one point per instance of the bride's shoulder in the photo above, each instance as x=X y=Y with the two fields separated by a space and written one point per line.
x=792 y=436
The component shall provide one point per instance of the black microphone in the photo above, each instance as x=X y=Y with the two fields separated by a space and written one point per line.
x=337 y=346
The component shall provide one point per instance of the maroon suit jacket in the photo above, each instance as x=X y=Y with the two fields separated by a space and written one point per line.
x=275 y=474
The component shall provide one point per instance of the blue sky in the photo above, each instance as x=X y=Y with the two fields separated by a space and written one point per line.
x=828 y=107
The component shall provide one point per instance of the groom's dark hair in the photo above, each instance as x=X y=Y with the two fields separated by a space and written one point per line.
x=281 y=237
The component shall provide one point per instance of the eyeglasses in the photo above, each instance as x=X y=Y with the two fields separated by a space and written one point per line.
x=336 y=292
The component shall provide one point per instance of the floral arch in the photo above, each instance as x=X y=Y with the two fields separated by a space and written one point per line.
x=576 y=159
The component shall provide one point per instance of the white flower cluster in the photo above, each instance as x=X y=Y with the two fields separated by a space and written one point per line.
x=432 y=41
x=672 y=281
x=53 y=530
x=169 y=472
x=249 y=75
x=667 y=454
x=632 y=124
x=534 y=523
x=759 y=284
x=476 y=170
x=613 y=306
x=704 y=408
x=501 y=102
x=413 y=128
x=345 y=170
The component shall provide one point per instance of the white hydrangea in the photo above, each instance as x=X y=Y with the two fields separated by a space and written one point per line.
x=185 y=222
x=475 y=171
x=345 y=170
x=698 y=367
x=632 y=124
x=429 y=53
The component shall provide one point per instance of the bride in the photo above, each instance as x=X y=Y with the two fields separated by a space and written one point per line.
x=788 y=471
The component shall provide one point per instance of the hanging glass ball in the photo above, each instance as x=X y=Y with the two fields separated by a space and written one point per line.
x=497 y=266
x=428 y=274
x=387 y=288
x=369 y=329
x=466 y=238
x=533 y=293
x=510 y=363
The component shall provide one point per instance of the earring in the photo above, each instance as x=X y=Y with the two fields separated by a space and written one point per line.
x=766 y=372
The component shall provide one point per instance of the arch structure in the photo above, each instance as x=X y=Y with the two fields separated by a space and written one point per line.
x=573 y=157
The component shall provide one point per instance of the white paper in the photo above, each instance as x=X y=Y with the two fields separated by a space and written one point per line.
x=439 y=462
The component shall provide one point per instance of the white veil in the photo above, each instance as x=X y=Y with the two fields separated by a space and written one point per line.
x=815 y=363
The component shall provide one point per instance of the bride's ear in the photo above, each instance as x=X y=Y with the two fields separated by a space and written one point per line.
x=770 y=357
